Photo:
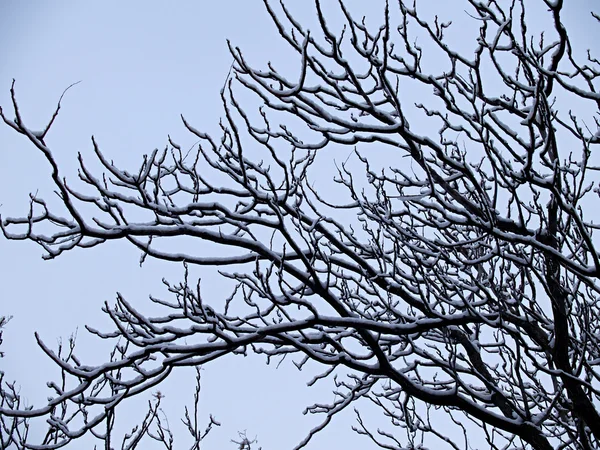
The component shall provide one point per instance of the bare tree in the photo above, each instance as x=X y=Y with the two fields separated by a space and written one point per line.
x=244 y=442
x=458 y=284
x=16 y=429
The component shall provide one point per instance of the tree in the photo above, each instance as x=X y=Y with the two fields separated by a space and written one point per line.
x=459 y=283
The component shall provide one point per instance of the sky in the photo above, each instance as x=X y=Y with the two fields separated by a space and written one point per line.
x=140 y=64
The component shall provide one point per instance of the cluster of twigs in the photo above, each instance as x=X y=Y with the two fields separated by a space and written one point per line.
x=459 y=283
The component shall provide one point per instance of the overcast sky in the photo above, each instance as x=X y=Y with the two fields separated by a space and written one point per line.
x=141 y=64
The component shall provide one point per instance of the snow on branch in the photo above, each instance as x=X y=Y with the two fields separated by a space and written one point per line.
x=457 y=283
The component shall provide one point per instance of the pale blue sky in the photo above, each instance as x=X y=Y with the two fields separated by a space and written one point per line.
x=141 y=65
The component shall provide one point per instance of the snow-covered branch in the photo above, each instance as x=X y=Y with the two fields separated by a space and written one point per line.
x=457 y=281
